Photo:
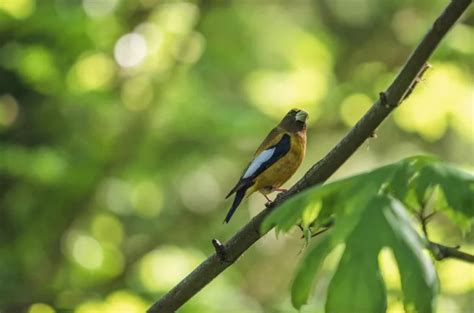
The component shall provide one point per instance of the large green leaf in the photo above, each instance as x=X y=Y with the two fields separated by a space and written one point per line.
x=305 y=275
x=417 y=273
x=357 y=285
x=369 y=213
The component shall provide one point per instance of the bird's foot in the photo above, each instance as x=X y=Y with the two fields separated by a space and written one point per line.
x=266 y=197
x=269 y=202
x=280 y=189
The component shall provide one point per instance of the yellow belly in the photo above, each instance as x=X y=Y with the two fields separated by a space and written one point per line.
x=277 y=174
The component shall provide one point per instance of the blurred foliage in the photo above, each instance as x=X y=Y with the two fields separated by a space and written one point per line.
x=124 y=123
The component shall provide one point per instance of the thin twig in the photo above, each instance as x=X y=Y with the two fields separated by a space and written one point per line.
x=440 y=251
x=321 y=231
x=419 y=78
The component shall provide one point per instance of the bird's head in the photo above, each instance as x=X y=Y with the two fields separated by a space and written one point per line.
x=294 y=120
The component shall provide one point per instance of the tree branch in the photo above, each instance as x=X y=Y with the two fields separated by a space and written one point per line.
x=321 y=171
x=441 y=252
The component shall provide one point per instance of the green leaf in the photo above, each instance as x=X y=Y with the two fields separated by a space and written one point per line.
x=291 y=211
x=349 y=212
x=417 y=273
x=326 y=213
x=369 y=213
x=399 y=183
x=357 y=285
x=305 y=275
x=457 y=187
x=311 y=212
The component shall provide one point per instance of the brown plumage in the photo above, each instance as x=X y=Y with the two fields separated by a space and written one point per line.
x=275 y=161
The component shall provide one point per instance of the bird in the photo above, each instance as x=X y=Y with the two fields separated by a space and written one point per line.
x=275 y=161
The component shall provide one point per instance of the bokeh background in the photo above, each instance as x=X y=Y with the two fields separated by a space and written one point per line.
x=123 y=124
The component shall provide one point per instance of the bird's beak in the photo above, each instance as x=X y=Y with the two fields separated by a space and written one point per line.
x=301 y=116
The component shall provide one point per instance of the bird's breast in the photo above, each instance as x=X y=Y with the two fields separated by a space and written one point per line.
x=277 y=174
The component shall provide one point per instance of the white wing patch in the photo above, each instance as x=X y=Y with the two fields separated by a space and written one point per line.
x=258 y=161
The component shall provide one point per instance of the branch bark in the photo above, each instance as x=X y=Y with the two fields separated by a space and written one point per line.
x=441 y=252
x=321 y=171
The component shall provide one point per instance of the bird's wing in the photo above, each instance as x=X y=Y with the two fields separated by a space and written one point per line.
x=272 y=138
x=264 y=160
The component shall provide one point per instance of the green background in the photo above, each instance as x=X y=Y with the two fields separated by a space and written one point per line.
x=124 y=123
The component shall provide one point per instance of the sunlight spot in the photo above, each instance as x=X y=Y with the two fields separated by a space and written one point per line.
x=117 y=302
x=86 y=251
x=147 y=199
x=154 y=36
x=447 y=305
x=407 y=26
x=159 y=45
x=389 y=269
x=117 y=195
x=107 y=228
x=130 y=50
x=40 y=308
x=8 y=110
x=90 y=307
x=354 y=107
x=311 y=212
x=455 y=277
x=178 y=17
x=333 y=258
x=444 y=98
x=395 y=304
x=190 y=50
x=200 y=191
x=460 y=38
x=37 y=65
x=99 y=8
x=19 y=9
x=276 y=92
x=162 y=268
x=124 y=301
x=92 y=72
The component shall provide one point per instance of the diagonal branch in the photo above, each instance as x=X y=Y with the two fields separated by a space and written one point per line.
x=321 y=171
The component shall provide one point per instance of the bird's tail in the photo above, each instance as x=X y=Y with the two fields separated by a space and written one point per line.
x=239 y=195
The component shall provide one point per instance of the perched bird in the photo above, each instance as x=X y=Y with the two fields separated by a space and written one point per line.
x=275 y=161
